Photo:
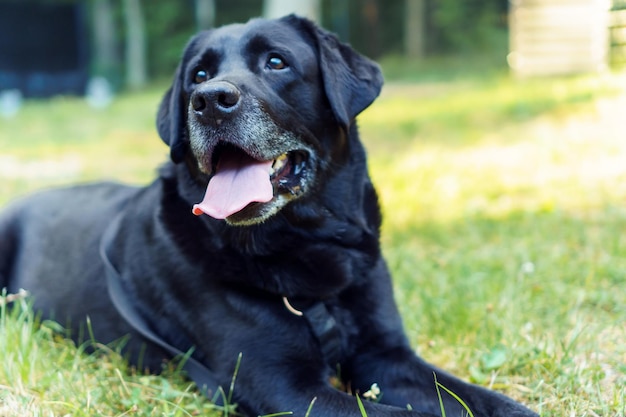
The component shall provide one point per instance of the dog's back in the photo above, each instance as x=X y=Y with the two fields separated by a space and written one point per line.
x=49 y=245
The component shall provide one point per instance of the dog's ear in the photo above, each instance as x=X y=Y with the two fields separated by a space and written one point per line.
x=172 y=114
x=171 y=118
x=351 y=81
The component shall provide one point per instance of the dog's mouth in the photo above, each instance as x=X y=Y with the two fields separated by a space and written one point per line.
x=246 y=190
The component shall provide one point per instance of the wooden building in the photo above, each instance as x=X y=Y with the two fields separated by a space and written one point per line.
x=551 y=37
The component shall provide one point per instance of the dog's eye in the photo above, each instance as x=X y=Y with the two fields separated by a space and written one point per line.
x=200 y=76
x=276 y=62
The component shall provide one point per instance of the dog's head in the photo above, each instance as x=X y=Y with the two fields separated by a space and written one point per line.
x=259 y=110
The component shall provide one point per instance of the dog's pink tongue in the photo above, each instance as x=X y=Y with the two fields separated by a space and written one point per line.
x=238 y=181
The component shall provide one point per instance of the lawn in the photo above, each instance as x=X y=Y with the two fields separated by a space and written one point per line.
x=505 y=210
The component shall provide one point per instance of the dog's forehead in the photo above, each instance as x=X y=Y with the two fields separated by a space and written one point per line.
x=258 y=33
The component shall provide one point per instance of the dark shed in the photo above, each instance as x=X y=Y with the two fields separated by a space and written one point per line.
x=43 y=48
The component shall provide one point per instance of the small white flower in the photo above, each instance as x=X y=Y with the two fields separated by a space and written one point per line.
x=372 y=393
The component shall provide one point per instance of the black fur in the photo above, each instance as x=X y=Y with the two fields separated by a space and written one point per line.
x=218 y=284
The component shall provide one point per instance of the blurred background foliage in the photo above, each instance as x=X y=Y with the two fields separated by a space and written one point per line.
x=133 y=42
x=110 y=29
x=374 y=27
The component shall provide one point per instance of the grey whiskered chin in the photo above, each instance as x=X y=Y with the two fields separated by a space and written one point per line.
x=253 y=131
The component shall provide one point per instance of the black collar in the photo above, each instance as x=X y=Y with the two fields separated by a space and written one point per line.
x=323 y=326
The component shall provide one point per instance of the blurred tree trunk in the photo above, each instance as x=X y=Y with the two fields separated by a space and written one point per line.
x=105 y=51
x=339 y=11
x=372 y=33
x=205 y=14
x=277 y=8
x=136 y=70
x=415 y=28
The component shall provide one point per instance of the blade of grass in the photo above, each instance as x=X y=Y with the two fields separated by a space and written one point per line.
x=361 y=406
x=438 y=385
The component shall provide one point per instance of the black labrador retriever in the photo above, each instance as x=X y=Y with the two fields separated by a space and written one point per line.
x=260 y=238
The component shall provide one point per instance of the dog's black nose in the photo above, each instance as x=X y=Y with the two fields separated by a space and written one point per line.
x=215 y=101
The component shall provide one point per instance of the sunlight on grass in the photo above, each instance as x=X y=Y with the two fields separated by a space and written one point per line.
x=63 y=141
x=541 y=163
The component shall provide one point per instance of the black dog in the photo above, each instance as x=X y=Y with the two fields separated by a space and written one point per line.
x=281 y=261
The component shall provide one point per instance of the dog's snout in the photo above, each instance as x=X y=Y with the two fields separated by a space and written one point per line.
x=216 y=100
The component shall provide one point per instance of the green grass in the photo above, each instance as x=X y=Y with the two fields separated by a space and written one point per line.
x=43 y=374
x=504 y=217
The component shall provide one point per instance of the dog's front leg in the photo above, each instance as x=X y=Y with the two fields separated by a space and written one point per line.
x=404 y=379
x=301 y=397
